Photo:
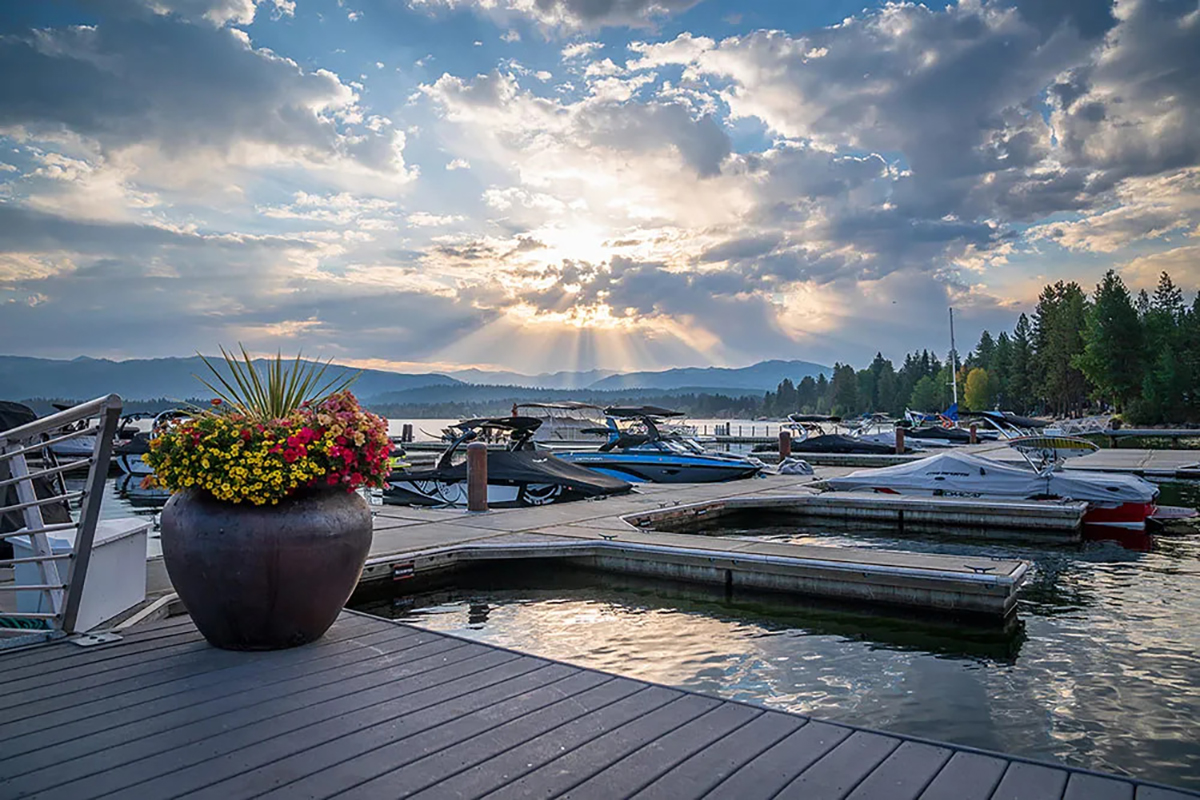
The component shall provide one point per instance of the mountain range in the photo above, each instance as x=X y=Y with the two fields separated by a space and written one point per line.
x=83 y=378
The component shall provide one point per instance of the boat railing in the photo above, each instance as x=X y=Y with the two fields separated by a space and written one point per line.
x=29 y=467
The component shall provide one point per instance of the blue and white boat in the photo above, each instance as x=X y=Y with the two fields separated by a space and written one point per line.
x=637 y=451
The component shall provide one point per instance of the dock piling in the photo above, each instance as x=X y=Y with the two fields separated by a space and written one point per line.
x=899 y=440
x=785 y=444
x=477 y=480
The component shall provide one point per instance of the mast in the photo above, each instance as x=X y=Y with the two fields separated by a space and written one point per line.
x=953 y=360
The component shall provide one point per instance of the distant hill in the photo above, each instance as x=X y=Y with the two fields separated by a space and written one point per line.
x=173 y=378
x=544 y=380
x=143 y=379
x=761 y=377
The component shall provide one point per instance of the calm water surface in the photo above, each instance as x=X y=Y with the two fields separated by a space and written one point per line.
x=1102 y=671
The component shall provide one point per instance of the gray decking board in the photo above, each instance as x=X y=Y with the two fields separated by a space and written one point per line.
x=208 y=681
x=378 y=709
x=68 y=740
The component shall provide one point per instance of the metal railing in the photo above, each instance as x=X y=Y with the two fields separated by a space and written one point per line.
x=44 y=489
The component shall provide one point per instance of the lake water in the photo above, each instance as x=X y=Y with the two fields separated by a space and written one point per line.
x=1101 y=671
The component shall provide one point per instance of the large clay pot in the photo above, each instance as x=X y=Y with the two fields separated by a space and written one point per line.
x=265 y=577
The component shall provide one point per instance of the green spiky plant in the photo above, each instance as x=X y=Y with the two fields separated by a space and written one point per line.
x=284 y=388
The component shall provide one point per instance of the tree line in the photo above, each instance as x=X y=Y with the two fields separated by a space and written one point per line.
x=1076 y=354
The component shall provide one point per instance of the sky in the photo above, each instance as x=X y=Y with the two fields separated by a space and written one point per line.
x=575 y=184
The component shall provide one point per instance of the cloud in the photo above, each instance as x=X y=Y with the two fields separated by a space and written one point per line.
x=246 y=105
x=458 y=163
x=422 y=219
x=580 y=49
x=1182 y=263
x=573 y=14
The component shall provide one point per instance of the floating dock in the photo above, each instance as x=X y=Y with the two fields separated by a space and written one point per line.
x=382 y=709
x=613 y=535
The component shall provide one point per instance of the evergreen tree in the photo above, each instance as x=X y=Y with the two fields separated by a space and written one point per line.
x=1018 y=388
x=925 y=395
x=806 y=394
x=844 y=389
x=1112 y=356
x=1000 y=369
x=985 y=352
x=1058 y=324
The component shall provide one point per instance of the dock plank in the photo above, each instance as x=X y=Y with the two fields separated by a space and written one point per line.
x=180 y=748
x=54 y=726
x=1023 y=781
x=1081 y=786
x=378 y=708
x=836 y=773
x=966 y=776
x=904 y=774
x=638 y=769
x=769 y=772
x=576 y=766
x=544 y=748
x=701 y=772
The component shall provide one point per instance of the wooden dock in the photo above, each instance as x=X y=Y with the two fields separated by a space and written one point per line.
x=378 y=709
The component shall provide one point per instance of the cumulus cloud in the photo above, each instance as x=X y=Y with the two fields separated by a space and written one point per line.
x=246 y=105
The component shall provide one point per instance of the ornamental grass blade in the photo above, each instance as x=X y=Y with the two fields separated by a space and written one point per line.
x=254 y=387
x=229 y=395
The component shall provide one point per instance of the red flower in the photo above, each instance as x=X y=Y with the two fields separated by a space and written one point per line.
x=332 y=479
x=216 y=401
x=307 y=434
x=356 y=478
x=246 y=435
x=290 y=455
x=341 y=440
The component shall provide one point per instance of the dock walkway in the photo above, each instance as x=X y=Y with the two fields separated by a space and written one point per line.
x=379 y=709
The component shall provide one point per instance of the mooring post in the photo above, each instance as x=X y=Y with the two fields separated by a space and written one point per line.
x=785 y=444
x=974 y=433
x=477 y=480
x=899 y=440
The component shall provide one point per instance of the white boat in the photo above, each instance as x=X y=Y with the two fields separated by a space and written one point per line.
x=566 y=423
x=1114 y=500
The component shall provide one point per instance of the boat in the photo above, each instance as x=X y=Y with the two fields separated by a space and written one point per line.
x=128 y=454
x=810 y=434
x=83 y=446
x=566 y=423
x=638 y=450
x=519 y=475
x=1114 y=501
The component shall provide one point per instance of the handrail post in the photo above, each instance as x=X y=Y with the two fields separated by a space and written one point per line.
x=90 y=512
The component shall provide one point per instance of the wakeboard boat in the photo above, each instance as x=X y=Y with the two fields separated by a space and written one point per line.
x=518 y=475
x=809 y=435
x=637 y=450
x=1113 y=500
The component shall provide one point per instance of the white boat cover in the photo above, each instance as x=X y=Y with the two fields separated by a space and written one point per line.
x=955 y=474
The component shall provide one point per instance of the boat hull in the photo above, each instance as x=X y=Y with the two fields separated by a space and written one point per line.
x=665 y=469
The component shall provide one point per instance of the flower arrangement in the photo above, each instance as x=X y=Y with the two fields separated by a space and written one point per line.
x=263 y=445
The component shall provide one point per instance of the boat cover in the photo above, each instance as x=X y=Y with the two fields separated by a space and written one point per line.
x=955 y=474
x=940 y=433
x=839 y=443
x=14 y=415
x=527 y=466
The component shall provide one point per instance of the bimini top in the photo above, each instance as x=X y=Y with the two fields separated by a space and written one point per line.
x=505 y=423
x=625 y=412
x=568 y=405
x=1012 y=419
